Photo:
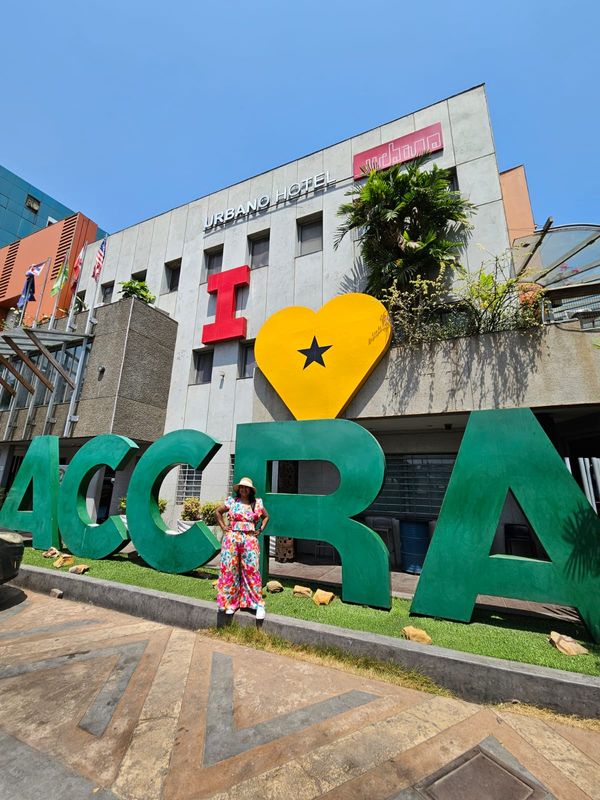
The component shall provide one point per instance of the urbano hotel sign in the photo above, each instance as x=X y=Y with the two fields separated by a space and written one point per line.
x=292 y=192
x=425 y=140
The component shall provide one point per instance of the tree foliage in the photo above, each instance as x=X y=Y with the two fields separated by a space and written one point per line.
x=409 y=223
x=484 y=301
x=139 y=289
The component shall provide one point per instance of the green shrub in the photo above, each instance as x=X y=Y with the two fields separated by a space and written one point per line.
x=207 y=510
x=192 y=509
x=162 y=505
x=139 y=289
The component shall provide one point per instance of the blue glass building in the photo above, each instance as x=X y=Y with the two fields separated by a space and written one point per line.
x=24 y=208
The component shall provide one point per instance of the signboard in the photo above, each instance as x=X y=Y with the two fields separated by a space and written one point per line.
x=425 y=140
x=287 y=194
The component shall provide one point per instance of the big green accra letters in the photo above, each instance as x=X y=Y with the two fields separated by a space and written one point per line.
x=80 y=534
x=502 y=450
x=156 y=545
x=361 y=464
x=40 y=469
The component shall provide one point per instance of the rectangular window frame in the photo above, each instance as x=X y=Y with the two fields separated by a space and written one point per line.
x=246 y=367
x=211 y=257
x=304 y=247
x=257 y=260
x=33 y=204
x=202 y=353
x=189 y=483
x=104 y=287
x=172 y=275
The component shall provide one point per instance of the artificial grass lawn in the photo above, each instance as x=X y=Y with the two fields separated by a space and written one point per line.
x=509 y=636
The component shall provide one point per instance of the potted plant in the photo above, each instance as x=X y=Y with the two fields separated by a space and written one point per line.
x=162 y=507
x=139 y=289
x=193 y=511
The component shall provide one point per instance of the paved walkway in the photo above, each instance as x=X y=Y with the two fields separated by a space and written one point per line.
x=97 y=704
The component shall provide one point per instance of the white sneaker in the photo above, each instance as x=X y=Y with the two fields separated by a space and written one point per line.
x=230 y=611
x=260 y=612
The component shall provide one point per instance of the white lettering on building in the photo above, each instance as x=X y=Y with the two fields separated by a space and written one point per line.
x=293 y=192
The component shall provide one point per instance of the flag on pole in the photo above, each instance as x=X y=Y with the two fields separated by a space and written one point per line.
x=77 y=269
x=99 y=261
x=62 y=277
x=28 y=292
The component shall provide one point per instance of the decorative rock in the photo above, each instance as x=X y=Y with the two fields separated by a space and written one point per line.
x=79 y=569
x=58 y=593
x=322 y=598
x=566 y=644
x=63 y=561
x=417 y=635
x=274 y=586
x=302 y=591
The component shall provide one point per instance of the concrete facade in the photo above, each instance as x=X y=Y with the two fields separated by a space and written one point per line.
x=124 y=391
x=179 y=237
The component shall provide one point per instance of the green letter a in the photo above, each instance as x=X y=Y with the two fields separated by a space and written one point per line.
x=40 y=469
x=506 y=450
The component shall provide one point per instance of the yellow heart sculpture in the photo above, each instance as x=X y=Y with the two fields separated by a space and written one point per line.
x=317 y=361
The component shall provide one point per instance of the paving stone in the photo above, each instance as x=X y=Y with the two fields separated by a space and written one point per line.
x=110 y=706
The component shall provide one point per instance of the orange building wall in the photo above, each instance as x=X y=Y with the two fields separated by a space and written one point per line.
x=54 y=243
x=517 y=204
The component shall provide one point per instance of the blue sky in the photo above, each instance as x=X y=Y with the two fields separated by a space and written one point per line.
x=124 y=110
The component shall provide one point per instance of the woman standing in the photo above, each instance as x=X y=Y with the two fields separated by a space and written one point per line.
x=239 y=583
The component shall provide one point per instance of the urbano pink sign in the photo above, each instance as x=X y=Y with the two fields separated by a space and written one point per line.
x=426 y=140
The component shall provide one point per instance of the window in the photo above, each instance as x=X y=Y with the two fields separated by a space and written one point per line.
x=70 y=361
x=202 y=366
x=80 y=301
x=259 y=250
x=231 y=471
x=247 y=360
x=414 y=486
x=214 y=260
x=189 y=482
x=32 y=203
x=6 y=396
x=139 y=276
x=310 y=235
x=106 y=291
x=453 y=179
x=172 y=272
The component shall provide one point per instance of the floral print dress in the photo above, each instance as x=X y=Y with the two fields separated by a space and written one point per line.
x=239 y=583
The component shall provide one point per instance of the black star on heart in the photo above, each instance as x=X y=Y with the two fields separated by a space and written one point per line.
x=314 y=353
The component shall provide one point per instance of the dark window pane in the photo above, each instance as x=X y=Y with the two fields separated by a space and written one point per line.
x=214 y=261
x=311 y=237
x=172 y=279
x=259 y=252
x=172 y=272
x=248 y=362
x=107 y=292
x=203 y=361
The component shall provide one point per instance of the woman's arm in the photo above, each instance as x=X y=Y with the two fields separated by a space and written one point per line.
x=219 y=515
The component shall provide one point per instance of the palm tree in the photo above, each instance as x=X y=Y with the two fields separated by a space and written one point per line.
x=409 y=223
